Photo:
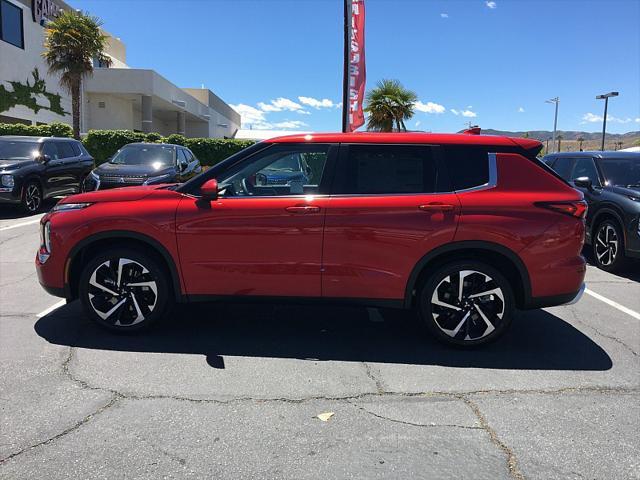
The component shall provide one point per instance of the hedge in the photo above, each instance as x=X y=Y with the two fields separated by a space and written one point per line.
x=51 y=130
x=102 y=144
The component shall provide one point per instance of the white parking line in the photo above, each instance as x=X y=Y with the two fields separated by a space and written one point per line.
x=622 y=308
x=18 y=225
x=51 y=308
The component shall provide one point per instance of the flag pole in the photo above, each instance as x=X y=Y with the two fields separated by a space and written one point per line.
x=345 y=73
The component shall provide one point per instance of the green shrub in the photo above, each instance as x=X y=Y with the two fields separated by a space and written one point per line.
x=102 y=144
x=213 y=150
x=154 y=137
x=176 y=139
x=52 y=130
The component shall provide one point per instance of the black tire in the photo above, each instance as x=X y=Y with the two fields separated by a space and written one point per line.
x=31 y=197
x=140 y=305
x=607 y=246
x=462 y=319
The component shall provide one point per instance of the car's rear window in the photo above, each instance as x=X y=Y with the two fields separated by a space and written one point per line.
x=468 y=165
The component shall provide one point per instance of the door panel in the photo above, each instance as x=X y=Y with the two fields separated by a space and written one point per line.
x=251 y=246
x=371 y=243
x=55 y=175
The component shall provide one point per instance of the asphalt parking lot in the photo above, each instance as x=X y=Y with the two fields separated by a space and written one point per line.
x=234 y=391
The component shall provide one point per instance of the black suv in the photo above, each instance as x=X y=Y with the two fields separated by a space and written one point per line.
x=35 y=168
x=145 y=164
x=610 y=182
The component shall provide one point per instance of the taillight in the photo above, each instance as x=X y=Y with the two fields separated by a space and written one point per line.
x=576 y=209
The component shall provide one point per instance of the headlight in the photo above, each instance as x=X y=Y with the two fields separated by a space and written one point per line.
x=65 y=207
x=46 y=236
x=94 y=175
x=7 y=181
x=158 y=179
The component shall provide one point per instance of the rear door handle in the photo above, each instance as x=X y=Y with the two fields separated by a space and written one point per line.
x=302 y=209
x=437 y=207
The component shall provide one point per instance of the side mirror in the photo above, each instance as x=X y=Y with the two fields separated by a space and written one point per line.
x=209 y=190
x=44 y=158
x=583 y=182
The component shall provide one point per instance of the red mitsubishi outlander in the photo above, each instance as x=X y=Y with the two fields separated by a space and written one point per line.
x=464 y=228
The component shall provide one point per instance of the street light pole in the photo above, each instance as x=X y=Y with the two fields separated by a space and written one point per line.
x=555 y=100
x=605 y=96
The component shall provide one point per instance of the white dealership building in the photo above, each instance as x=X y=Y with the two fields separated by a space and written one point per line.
x=118 y=97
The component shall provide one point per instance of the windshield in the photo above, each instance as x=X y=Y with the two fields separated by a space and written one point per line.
x=154 y=155
x=12 y=150
x=621 y=171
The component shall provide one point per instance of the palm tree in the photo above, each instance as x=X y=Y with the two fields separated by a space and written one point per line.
x=559 y=138
x=580 y=140
x=388 y=104
x=72 y=41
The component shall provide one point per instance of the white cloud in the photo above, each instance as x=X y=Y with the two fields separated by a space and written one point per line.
x=429 y=107
x=520 y=110
x=491 y=5
x=469 y=114
x=593 y=118
x=280 y=104
x=637 y=120
x=315 y=103
x=290 y=124
x=250 y=115
x=444 y=15
x=454 y=111
x=418 y=123
x=469 y=107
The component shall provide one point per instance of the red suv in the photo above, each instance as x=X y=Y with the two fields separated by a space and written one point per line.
x=465 y=228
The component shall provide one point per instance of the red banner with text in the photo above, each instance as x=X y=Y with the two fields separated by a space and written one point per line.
x=356 y=72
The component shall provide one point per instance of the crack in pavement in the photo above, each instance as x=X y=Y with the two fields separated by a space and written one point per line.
x=428 y=425
x=512 y=461
x=610 y=337
x=376 y=380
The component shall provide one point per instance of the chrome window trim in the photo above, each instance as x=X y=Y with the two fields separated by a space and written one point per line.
x=493 y=177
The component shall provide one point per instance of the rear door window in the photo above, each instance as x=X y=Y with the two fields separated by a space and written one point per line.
x=65 y=150
x=386 y=169
x=585 y=167
x=468 y=166
x=563 y=166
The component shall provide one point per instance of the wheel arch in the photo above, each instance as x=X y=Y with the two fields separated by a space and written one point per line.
x=604 y=212
x=506 y=260
x=84 y=248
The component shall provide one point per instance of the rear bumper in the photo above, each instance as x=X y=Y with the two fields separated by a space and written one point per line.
x=555 y=300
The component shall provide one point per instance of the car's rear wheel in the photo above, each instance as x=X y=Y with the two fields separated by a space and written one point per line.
x=608 y=246
x=466 y=303
x=125 y=289
x=31 y=197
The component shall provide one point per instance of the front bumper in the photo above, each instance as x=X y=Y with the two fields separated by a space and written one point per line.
x=10 y=195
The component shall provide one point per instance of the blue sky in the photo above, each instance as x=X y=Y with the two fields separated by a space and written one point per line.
x=493 y=63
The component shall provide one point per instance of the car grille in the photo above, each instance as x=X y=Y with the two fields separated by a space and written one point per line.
x=115 y=181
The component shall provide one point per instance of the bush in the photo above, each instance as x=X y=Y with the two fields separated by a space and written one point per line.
x=51 y=130
x=102 y=144
x=177 y=139
x=213 y=150
x=154 y=137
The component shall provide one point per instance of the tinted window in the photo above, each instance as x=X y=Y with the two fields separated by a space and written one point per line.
x=65 y=150
x=386 y=169
x=76 y=149
x=11 y=24
x=182 y=157
x=621 y=171
x=154 y=155
x=188 y=155
x=468 y=166
x=585 y=167
x=50 y=150
x=563 y=166
x=278 y=171
x=10 y=150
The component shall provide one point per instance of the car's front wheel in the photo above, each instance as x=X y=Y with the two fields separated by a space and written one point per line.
x=125 y=289
x=31 y=197
x=608 y=246
x=466 y=303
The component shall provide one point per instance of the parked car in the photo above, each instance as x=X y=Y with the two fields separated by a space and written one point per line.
x=610 y=182
x=33 y=169
x=145 y=164
x=463 y=228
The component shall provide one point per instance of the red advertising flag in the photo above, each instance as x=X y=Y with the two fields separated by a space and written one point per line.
x=355 y=70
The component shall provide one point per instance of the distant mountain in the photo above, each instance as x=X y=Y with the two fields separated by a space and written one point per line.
x=543 y=135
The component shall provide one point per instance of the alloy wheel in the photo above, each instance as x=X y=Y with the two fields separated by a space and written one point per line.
x=467 y=305
x=32 y=197
x=122 y=292
x=607 y=244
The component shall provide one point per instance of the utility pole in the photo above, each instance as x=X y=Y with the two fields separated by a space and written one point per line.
x=547 y=149
x=605 y=97
x=555 y=100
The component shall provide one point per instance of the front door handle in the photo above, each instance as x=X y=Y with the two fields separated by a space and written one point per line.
x=302 y=209
x=437 y=207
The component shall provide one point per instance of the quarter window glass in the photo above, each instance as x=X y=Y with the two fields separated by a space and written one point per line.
x=468 y=166
x=387 y=169
x=76 y=149
x=182 y=158
x=11 y=24
x=65 y=150
x=562 y=166
x=279 y=171
x=585 y=168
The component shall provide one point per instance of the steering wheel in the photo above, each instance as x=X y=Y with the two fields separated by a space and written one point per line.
x=245 y=187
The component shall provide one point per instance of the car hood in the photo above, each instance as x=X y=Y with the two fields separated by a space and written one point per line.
x=6 y=164
x=635 y=191
x=125 y=194
x=131 y=170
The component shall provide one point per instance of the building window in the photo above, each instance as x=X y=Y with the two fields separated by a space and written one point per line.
x=11 y=28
